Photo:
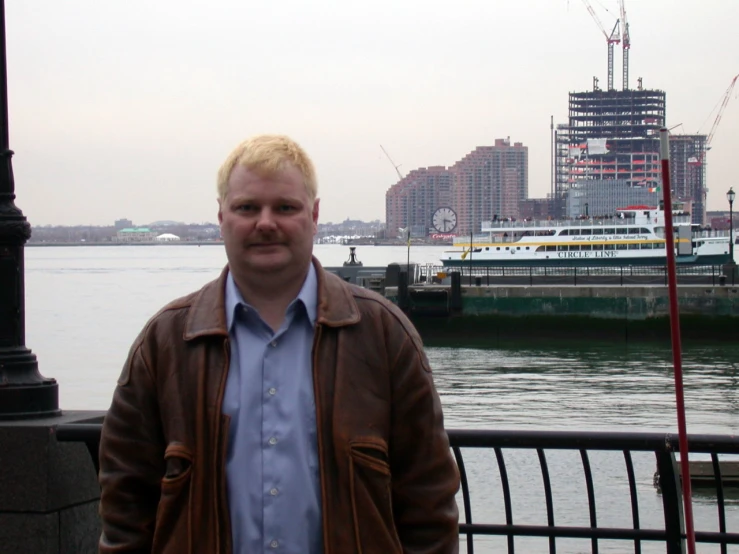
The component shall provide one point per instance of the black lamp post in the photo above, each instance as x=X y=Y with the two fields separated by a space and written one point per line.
x=586 y=209
x=24 y=392
x=730 y=197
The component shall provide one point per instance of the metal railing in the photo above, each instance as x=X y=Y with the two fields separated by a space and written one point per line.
x=667 y=478
x=712 y=275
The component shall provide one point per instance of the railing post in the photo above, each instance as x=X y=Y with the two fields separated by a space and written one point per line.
x=403 y=302
x=672 y=501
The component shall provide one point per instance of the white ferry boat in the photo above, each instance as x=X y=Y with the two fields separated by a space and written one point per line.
x=635 y=235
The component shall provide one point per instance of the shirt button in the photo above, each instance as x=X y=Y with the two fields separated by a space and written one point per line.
x=273 y=441
x=272 y=391
x=274 y=544
x=274 y=492
x=273 y=343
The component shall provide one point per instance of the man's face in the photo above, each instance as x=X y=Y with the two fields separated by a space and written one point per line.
x=267 y=223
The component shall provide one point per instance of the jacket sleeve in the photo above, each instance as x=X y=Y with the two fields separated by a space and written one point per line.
x=425 y=478
x=131 y=461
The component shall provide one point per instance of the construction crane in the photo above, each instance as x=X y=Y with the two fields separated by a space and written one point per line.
x=625 y=43
x=396 y=166
x=696 y=173
x=613 y=38
x=712 y=132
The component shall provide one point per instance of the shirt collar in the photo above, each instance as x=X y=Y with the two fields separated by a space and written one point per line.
x=308 y=295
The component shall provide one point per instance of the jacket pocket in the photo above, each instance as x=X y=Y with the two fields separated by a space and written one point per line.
x=371 y=497
x=172 y=530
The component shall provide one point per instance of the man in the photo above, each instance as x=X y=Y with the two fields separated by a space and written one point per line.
x=277 y=409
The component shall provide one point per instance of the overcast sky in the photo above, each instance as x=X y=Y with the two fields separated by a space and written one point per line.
x=126 y=108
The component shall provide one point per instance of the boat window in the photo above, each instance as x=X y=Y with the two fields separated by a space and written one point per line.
x=609 y=231
x=609 y=247
x=551 y=248
x=574 y=247
x=540 y=249
x=585 y=247
x=487 y=248
x=597 y=247
x=586 y=231
x=660 y=232
x=518 y=248
x=646 y=245
x=659 y=245
x=644 y=230
x=633 y=247
x=562 y=248
x=621 y=247
x=634 y=231
x=547 y=233
x=622 y=231
x=564 y=233
x=497 y=248
x=507 y=248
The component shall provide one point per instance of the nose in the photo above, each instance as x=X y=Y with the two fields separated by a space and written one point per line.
x=266 y=221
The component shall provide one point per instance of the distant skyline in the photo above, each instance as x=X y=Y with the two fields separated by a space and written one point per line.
x=126 y=109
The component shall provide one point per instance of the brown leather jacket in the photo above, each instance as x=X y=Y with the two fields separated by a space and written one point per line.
x=388 y=479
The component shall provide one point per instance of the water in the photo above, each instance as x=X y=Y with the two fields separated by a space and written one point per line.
x=85 y=305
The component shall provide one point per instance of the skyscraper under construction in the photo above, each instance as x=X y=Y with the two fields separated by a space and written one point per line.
x=612 y=138
x=610 y=135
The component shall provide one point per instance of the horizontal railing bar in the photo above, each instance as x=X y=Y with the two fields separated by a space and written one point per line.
x=592 y=440
x=715 y=537
x=557 y=440
x=562 y=531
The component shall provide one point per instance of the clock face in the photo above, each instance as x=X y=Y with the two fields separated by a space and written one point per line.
x=444 y=220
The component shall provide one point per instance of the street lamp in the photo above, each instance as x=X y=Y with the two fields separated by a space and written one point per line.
x=730 y=197
x=24 y=392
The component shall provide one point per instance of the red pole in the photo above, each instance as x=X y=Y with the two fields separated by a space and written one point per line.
x=664 y=143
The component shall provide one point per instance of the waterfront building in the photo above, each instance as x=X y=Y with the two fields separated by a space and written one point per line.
x=135 y=234
x=490 y=181
x=412 y=201
x=612 y=136
x=122 y=224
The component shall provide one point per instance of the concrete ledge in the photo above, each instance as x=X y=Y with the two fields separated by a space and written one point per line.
x=49 y=491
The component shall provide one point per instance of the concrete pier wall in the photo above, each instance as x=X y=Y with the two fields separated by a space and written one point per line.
x=599 y=312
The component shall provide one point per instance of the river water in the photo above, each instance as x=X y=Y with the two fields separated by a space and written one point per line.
x=85 y=305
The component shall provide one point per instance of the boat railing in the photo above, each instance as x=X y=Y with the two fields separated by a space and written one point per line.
x=581 y=222
x=554 y=451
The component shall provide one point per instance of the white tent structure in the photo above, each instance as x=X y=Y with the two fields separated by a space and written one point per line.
x=167 y=237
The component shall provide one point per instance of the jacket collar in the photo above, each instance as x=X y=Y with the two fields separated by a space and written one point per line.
x=207 y=314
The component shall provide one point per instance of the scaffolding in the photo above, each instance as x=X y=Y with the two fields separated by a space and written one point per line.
x=610 y=136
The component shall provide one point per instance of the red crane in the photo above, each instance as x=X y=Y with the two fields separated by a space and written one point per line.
x=613 y=38
x=625 y=43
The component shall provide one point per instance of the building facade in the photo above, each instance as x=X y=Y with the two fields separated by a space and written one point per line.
x=412 y=201
x=489 y=181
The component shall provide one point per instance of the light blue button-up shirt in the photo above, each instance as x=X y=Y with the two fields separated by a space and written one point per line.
x=272 y=473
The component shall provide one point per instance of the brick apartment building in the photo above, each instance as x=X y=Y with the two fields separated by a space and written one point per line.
x=489 y=181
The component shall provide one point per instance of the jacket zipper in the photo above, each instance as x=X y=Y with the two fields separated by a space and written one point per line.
x=222 y=521
x=319 y=438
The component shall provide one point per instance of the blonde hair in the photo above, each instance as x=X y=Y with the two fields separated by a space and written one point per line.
x=268 y=155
